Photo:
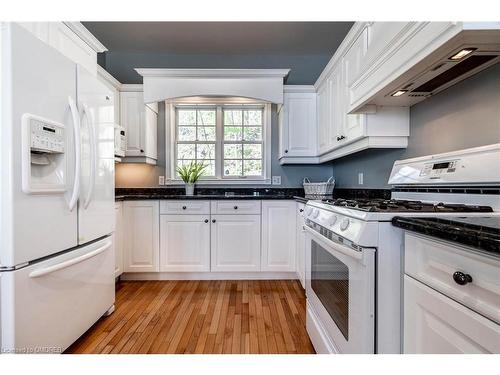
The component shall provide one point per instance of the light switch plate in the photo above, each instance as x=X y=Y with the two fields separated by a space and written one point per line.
x=161 y=180
x=360 y=178
x=276 y=180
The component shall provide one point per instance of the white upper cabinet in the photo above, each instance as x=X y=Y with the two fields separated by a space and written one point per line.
x=298 y=140
x=72 y=39
x=323 y=111
x=140 y=123
x=406 y=55
x=278 y=235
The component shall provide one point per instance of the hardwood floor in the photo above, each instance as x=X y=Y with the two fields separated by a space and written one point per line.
x=212 y=317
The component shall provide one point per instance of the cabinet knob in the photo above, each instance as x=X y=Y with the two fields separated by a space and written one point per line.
x=338 y=139
x=206 y=220
x=142 y=151
x=235 y=207
x=342 y=137
x=213 y=220
x=184 y=207
x=286 y=151
x=462 y=278
x=301 y=210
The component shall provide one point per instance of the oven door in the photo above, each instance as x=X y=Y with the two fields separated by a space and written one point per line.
x=340 y=289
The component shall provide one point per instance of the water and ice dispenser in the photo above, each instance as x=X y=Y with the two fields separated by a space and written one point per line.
x=44 y=155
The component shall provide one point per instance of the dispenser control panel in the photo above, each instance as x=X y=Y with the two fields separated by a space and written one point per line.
x=47 y=137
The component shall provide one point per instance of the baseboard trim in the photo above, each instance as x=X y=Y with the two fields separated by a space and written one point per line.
x=209 y=276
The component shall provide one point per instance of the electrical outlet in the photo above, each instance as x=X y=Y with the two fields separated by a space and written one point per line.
x=276 y=180
x=161 y=180
x=360 y=178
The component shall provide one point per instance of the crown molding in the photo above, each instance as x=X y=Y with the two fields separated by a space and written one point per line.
x=109 y=78
x=310 y=89
x=213 y=73
x=85 y=35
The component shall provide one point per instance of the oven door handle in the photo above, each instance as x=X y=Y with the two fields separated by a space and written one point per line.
x=337 y=246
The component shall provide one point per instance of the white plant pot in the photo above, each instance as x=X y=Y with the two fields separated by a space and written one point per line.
x=189 y=189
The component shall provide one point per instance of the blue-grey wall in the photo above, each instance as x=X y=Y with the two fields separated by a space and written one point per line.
x=142 y=175
x=305 y=69
x=465 y=115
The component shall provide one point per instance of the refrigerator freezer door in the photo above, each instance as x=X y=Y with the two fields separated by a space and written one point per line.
x=37 y=82
x=46 y=306
x=96 y=206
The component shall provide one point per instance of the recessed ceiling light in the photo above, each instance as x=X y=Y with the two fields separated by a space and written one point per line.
x=399 y=92
x=461 y=54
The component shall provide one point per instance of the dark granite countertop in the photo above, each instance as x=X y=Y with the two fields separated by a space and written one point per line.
x=208 y=194
x=482 y=233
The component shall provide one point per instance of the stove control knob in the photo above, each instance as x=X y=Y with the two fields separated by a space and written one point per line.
x=308 y=211
x=315 y=213
x=332 y=221
x=344 y=224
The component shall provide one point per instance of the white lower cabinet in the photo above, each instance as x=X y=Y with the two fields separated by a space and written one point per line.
x=235 y=241
x=436 y=324
x=278 y=235
x=118 y=238
x=141 y=236
x=301 y=244
x=184 y=243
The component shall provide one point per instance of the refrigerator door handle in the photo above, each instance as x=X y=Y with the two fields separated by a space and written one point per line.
x=76 y=133
x=68 y=263
x=93 y=157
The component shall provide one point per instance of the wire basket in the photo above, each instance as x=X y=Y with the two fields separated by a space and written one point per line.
x=318 y=190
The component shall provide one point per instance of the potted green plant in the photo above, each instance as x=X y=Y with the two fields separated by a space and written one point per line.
x=190 y=173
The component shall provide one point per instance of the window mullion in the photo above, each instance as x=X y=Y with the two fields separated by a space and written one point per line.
x=219 y=145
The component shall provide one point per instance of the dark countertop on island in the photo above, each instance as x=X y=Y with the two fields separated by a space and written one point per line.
x=482 y=233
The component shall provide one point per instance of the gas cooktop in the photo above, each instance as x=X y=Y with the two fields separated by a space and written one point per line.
x=396 y=205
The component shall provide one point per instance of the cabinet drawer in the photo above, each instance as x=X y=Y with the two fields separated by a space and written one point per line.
x=185 y=207
x=235 y=207
x=434 y=262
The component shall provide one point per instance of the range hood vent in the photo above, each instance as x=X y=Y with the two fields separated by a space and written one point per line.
x=453 y=73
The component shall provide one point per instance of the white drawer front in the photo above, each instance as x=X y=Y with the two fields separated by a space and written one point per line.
x=434 y=263
x=185 y=207
x=236 y=207
x=435 y=324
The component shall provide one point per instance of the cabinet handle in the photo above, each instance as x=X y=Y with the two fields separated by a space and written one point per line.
x=184 y=207
x=213 y=220
x=235 y=207
x=462 y=278
x=286 y=151
x=206 y=220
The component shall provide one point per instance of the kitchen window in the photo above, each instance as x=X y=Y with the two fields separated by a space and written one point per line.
x=231 y=137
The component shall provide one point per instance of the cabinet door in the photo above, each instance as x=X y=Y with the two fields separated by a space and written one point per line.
x=229 y=251
x=184 y=243
x=118 y=239
x=301 y=244
x=323 y=101
x=436 y=324
x=132 y=116
x=141 y=236
x=278 y=236
x=150 y=133
x=354 y=124
x=299 y=127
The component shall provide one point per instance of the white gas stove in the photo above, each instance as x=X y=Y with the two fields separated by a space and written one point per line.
x=354 y=254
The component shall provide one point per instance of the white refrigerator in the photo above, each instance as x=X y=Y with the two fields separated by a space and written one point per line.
x=56 y=196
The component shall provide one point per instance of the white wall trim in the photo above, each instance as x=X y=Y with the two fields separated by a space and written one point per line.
x=109 y=78
x=85 y=35
x=259 y=84
x=131 y=87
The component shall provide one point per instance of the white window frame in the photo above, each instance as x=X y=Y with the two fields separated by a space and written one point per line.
x=170 y=141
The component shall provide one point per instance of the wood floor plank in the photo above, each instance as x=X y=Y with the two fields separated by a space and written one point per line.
x=243 y=317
